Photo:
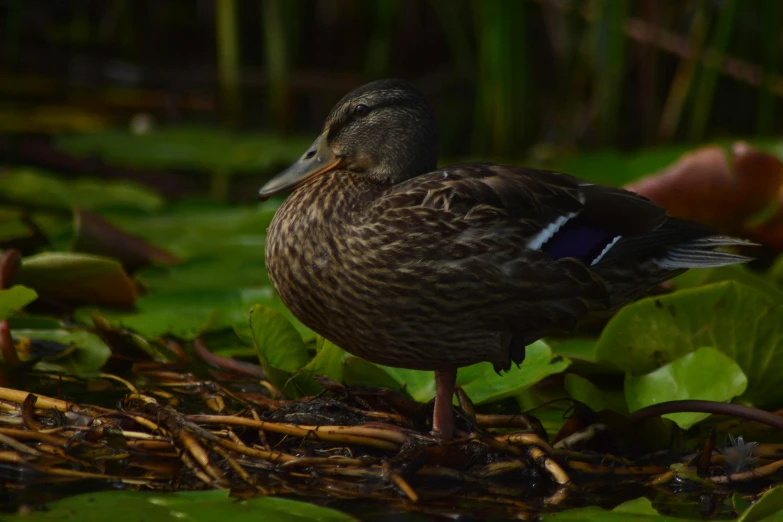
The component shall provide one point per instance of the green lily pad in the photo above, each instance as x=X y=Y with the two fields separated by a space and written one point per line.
x=638 y=506
x=206 y=274
x=484 y=385
x=581 y=353
x=420 y=385
x=90 y=353
x=188 y=314
x=222 y=274
x=56 y=227
x=638 y=510
x=196 y=506
x=480 y=381
x=284 y=356
x=25 y=321
x=741 y=322
x=277 y=343
x=78 y=278
x=739 y=504
x=740 y=273
x=581 y=349
x=769 y=508
x=184 y=315
x=187 y=148
x=328 y=362
x=277 y=340
x=357 y=371
x=776 y=272
x=202 y=228
x=40 y=189
x=94 y=235
x=705 y=374
x=12 y=226
x=597 y=399
x=15 y=298
x=615 y=168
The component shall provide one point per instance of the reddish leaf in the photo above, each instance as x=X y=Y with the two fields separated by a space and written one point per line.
x=78 y=279
x=770 y=232
x=707 y=187
x=94 y=235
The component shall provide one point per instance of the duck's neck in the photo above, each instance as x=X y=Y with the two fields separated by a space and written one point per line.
x=312 y=222
x=325 y=203
x=306 y=242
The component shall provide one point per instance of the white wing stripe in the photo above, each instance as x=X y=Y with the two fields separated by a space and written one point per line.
x=550 y=230
x=606 y=249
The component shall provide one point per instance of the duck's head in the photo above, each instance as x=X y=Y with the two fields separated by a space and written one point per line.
x=384 y=130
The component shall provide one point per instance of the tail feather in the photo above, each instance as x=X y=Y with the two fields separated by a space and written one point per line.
x=677 y=244
x=636 y=264
x=701 y=253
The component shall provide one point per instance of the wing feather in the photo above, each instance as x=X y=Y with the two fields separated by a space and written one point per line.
x=538 y=202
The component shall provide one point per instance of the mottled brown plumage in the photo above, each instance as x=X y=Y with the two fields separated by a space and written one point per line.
x=428 y=269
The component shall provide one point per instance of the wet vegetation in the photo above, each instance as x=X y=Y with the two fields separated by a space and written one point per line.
x=150 y=372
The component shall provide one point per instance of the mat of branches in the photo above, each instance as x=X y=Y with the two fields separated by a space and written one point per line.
x=183 y=433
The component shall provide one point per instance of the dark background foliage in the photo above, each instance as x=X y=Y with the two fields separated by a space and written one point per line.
x=509 y=78
x=118 y=117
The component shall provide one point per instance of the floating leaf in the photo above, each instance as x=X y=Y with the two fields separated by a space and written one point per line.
x=280 y=349
x=420 y=385
x=78 y=278
x=95 y=235
x=705 y=374
x=739 y=273
x=769 y=508
x=203 y=228
x=706 y=187
x=284 y=356
x=483 y=384
x=581 y=353
x=739 y=503
x=15 y=298
x=89 y=355
x=364 y=373
x=12 y=225
x=187 y=148
x=277 y=340
x=639 y=510
x=480 y=381
x=39 y=189
x=639 y=506
x=25 y=321
x=127 y=346
x=615 y=168
x=596 y=398
x=195 y=506
x=329 y=362
x=582 y=349
x=206 y=274
x=185 y=315
x=742 y=322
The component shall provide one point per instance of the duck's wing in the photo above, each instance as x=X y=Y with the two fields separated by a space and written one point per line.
x=545 y=211
x=532 y=250
x=559 y=215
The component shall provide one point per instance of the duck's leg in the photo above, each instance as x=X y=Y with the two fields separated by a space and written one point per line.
x=443 y=417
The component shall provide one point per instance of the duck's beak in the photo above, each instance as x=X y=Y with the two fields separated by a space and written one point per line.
x=318 y=159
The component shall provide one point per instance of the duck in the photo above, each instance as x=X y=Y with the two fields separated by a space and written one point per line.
x=413 y=266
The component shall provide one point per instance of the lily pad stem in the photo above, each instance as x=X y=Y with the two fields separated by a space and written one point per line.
x=719 y=408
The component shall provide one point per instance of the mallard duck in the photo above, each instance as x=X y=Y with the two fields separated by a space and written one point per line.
x=412 y=266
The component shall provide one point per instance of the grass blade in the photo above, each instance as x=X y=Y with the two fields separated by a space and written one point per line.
x=228 y=59
x=708 y=77
x=276 y=52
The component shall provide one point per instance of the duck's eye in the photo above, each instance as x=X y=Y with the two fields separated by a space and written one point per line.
x=361 y=110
